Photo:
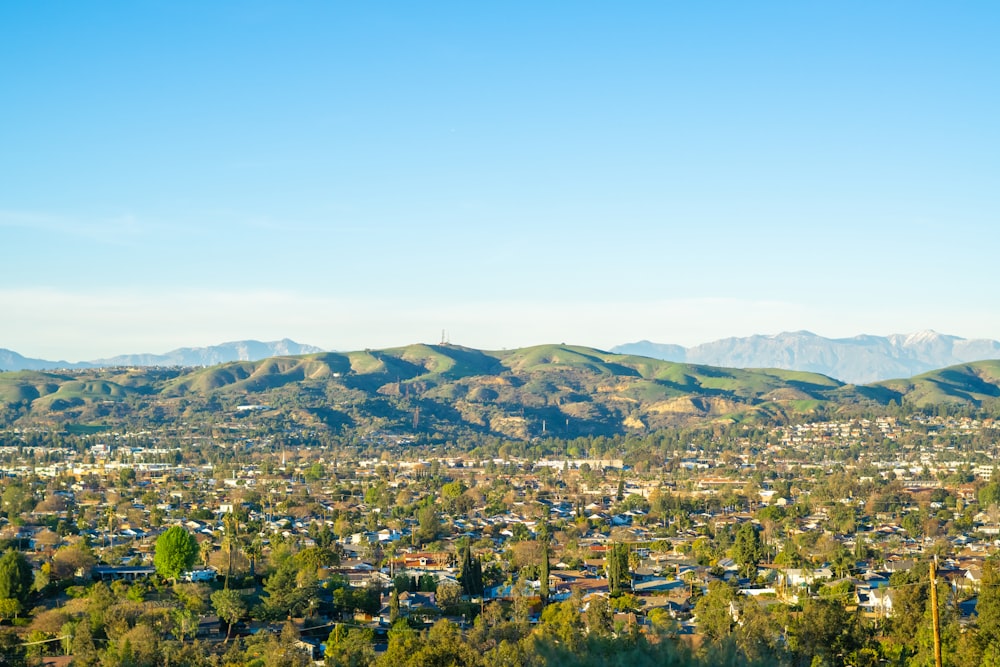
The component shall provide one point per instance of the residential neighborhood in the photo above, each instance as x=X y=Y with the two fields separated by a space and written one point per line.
x=314 y=540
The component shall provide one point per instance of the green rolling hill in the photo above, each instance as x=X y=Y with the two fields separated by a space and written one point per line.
x=518 y=393
x=965 y=384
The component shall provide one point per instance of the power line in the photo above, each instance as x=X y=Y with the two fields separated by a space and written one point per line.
x=46 y=641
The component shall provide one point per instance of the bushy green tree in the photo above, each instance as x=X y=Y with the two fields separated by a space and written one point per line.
x=910 y=596
x=429 y=525
x=988 y=611
x=9 y=608
x=349 y=648
x=715 y=611
x=289 y=591
x=16 y=576
x=747 y=549
x=230 y=607
x=823 y=630
x=176 y=551
x=442 y=645
x=562 y=623
x=16 y=499
x=403 y=643
x=82 y=645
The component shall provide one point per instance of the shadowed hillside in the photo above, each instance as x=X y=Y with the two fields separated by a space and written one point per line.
x=965 y=384
x=519 y=393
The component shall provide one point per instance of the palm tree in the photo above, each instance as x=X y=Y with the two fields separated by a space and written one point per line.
x=111 y=522
x=230 y=541
x=843 y=563
x=253 y=550
x=205 y=551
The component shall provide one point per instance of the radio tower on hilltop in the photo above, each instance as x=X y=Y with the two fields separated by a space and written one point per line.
x=444 y=338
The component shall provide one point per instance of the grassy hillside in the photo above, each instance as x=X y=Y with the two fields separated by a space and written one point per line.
x=965 y=384
x=518 y=393
x=27 y=385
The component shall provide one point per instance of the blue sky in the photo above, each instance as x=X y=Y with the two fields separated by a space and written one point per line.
x=367 y=174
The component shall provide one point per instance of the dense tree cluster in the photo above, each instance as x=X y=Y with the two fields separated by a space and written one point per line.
x=335 y=500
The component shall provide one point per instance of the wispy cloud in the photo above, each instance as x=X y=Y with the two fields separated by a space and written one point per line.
x=122 y=229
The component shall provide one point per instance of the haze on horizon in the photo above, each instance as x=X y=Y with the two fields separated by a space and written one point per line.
x=183 y=174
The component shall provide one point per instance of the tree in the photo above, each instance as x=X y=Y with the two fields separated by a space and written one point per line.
x=126 y=478
x=402 y=583
x=394 y=606
x=429 y=525
x=616 y=567
x=316 y=557
x=192 y=596
x=69 y=560
x=448 y=595
x=138 y=647
x=352 y=648
x=715 y=611
x=230 y=607
x=16 y=499
x=441 y=645
x=988 y=610
x=427 y=583
x=280 y=650
x=757 y=634
x=176 y=551
x=470 y=573
x=911 y=592
x=205 y=550
x=16 y=577
x=860 y=548
x=543 y=573
x=599 y=616
x=254 y=548
x=9 y=608
x=747 y=550
x=289 y=591
x=185 y=622
x=82 y=646
x=843 y=562
x=562 y=623
x=403 y=644
x=12 y=654
x=822 y=630
x=230 y=541
x=452 y=490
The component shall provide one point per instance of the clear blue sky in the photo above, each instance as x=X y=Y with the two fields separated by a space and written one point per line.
x=367 y=174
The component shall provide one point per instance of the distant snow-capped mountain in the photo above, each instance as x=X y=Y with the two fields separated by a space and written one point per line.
x=858 y=360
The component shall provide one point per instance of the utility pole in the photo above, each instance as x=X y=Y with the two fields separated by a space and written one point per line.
x=934 y=616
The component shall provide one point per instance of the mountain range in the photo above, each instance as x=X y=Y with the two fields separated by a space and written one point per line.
x=858 y=360
x=453 y=391
x=241 y=350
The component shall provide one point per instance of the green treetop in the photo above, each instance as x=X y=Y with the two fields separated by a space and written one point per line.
x=176 y=551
